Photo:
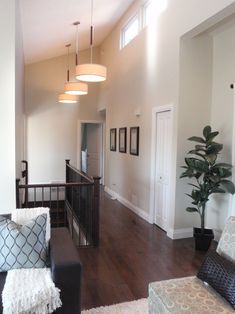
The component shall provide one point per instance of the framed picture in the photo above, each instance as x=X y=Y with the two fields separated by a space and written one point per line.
x=134 y=140
x=122 y=140
x=113 y=139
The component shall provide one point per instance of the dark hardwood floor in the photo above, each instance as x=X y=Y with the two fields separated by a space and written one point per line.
x=131 y=254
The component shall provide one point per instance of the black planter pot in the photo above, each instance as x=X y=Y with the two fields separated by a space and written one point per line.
x=203 y=240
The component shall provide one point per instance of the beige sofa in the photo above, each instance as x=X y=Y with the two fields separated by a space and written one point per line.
x=190 y=295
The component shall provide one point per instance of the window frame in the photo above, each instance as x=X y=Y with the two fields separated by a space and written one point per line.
x=130 y=21
x=144 y=8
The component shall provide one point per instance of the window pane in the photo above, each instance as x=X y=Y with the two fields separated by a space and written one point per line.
x=131 y=31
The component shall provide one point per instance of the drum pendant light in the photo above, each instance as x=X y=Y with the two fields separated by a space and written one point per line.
x=91 y=72
x=65 y=98
x=76 y=88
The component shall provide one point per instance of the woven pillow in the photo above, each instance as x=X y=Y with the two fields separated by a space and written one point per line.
x=219 y=273
x=23 y=246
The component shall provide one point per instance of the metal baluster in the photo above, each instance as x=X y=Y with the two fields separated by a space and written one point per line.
x=96 y=206
x=42 y=196
x=72 y=211
x=79 y=213
x=57 y=207
x=18 y=205
x=34 y=195
x=50 y=197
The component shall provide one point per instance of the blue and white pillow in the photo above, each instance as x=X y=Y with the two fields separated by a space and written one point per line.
x=23 y=246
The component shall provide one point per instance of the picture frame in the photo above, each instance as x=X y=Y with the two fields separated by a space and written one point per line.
x=134 y=140
x=113 y=139
x=122 y=140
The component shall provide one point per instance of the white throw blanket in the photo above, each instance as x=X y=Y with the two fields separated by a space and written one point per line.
x=30 y=291
x=23 y=215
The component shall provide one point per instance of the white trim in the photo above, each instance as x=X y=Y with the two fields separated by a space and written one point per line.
x=183 y=233
x=156 y=110
x=103 y=125
x=138 y=211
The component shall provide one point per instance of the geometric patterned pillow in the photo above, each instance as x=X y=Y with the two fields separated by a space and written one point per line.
x=226 y=245
x=23 y=246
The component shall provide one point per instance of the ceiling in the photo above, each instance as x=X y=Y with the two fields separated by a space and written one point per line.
x=47 y=24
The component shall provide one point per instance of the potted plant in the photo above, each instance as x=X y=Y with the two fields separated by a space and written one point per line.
x=208 y=177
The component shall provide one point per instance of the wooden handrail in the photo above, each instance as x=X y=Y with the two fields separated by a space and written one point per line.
x=82 y=174
x=53 y=185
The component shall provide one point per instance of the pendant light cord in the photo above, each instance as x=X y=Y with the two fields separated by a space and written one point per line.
x=68 y=62
x=76 y=61
x=91 y=32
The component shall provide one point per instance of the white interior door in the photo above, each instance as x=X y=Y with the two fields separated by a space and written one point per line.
x=94 y=149
x=162 y=168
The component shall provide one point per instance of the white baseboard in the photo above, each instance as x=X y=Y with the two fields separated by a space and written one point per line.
x=183 y=233
x=188 y=233
x=174 y=234
x=138 y=211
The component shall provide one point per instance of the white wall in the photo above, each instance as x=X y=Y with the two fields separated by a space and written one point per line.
x=143 y=75
x=7 y=105
x=222 y=110
x=52 y=126
x=194 y=108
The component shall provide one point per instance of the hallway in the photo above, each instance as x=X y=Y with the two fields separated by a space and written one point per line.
x=131 y=254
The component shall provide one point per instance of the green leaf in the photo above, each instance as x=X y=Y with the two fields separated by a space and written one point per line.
x=214 y=148
x=191 y=209
x=197 y=139
x=217 y=190
x=195 y=152
x=224 y=165
x=194 y=185
x=211 y=158
x=214 y=178
x=211 y=136
x=206 y=131
x=225 y=173
x=228 y=185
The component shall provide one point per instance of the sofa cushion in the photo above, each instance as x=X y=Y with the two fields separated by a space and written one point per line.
x=22 y=246
x=185 y=295
x=219 y=273
x=226 y=245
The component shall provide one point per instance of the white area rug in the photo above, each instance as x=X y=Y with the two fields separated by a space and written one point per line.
x=133 y=307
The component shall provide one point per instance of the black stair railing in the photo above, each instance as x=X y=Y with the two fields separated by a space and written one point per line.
x=74 y=204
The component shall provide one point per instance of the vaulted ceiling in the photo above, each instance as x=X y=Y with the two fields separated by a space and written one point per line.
x=47 y=24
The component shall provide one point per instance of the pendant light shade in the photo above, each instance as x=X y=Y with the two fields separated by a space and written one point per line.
x=67 y=99
x=75 y=88
x=91 y=72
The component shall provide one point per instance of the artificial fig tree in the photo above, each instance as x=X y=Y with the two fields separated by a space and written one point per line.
x=208 y=176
